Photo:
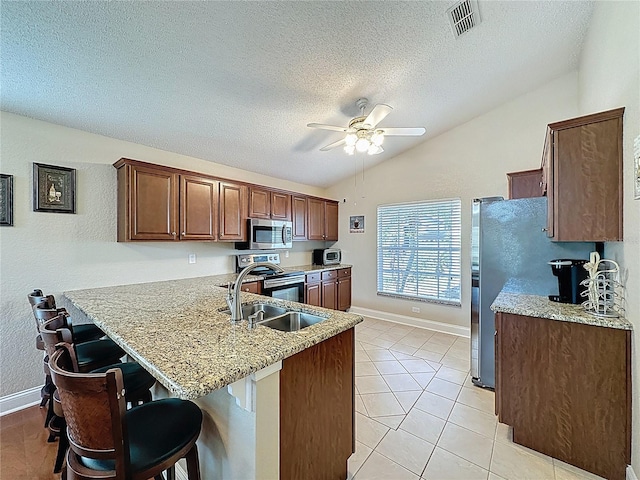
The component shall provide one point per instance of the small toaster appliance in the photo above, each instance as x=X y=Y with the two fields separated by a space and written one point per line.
x=327 y=256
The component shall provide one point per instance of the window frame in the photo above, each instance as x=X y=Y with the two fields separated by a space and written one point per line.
x=448 y=242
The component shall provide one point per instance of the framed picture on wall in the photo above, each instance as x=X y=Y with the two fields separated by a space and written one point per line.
x=54 y=189
x=6 y=200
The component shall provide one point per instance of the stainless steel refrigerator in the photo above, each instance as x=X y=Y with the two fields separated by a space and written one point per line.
x=508 y=241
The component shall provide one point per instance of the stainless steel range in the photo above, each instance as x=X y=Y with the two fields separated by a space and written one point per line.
x=285 y=286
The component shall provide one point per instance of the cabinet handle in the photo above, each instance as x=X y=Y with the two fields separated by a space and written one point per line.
x=540 y=183
x=173 y=233
x=545 y=229
x=183 y=234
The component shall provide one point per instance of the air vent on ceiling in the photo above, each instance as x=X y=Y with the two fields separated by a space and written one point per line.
x=463 y=16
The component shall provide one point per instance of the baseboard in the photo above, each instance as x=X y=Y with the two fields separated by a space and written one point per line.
x=631 y=475
x=412 y=321
x=20 y=400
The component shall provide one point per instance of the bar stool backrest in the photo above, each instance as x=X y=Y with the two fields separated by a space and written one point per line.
x=93 y=405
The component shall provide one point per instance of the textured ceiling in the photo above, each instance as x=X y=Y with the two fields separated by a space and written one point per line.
x=237 y=82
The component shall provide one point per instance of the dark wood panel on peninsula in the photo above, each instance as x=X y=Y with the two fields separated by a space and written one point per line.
x=317 y=431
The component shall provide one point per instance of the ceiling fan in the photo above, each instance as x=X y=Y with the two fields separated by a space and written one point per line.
x=363 y=134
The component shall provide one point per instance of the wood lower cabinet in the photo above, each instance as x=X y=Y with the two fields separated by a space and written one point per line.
x=566 y=390
x=329 y=289
x=252 y=287
x=317 y=432
x=582 y=175
x=322 y=218
x=233 y=212
x=525 y=184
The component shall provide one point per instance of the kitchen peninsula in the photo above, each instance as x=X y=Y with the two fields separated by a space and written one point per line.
x=276 y=381
x=563 y=380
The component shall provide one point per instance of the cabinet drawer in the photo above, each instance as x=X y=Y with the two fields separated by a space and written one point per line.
x=329 y=275
x=313 y=277
x=344 y=272
x=252 y=287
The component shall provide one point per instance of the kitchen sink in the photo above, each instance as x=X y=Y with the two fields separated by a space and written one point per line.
x=269 y=310
x=292 y=321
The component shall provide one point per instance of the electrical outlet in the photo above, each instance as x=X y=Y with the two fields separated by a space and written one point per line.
x=192 y=258
x=415 y=309
x=286 y=254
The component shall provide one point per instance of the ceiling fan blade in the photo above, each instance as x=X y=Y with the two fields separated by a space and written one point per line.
x=327 y=127
x=377 y=115
x=333 y=145
x=412 y=132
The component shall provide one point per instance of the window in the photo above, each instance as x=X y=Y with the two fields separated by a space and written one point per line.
x=419 y=251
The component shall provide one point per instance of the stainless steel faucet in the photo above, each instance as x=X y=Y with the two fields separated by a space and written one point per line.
x=233 y=293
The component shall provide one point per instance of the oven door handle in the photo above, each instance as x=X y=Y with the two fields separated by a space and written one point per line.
x=281 y=282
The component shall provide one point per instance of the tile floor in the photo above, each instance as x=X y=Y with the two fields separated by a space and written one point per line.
x=418 y=416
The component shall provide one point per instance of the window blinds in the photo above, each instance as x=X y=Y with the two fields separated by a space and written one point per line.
x=419 y=251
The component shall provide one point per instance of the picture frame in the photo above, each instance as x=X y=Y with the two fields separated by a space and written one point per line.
x=356 y=224
x=54 y=188
x=6 y=200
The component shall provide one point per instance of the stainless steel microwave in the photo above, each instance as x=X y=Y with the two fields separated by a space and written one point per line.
x=267 y=234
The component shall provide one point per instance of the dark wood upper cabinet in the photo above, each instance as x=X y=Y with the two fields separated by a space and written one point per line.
x=331 y=221
x=265 y=203
x=299 y=217
x=198 y=208
x=158 y=203
x=280 y=206
x=582 y=174
x=147 y=203
x=233 y=205
x=322 y=219
x=525 y=184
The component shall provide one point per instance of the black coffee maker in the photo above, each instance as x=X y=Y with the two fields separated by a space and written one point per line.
x=570 y=274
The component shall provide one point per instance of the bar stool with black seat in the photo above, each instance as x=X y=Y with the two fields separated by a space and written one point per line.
x=137 y=389
x=109 y=442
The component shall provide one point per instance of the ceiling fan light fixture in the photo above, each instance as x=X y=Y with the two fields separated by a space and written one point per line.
x=377 y=138
x=351 y=139
x=350 y=149
x=362 y=145
x=374 y=149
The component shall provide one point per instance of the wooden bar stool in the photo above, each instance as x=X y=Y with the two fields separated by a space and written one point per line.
x=109 y=442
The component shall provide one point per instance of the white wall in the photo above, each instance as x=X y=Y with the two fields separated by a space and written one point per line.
x=609 y=77
x=57 y=252
x=468 y=161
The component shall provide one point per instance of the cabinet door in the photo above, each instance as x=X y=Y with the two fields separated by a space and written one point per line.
x=329 y=294
x=299 y=218
x=315 y=219
x=280 y=206
x=331 y=221
x=344 y=293
x=259 y=203
x=233 y=210
x=313 y=294
x=198 y=208
x=547 y=180
x=153 y=204
x=525 y=184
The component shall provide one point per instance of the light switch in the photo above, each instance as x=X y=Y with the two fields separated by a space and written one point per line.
x=192 y=258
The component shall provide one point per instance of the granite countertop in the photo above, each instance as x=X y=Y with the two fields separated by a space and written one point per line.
x=510 y=300
x=176 y=330
x=224 y=279
x=317 y=268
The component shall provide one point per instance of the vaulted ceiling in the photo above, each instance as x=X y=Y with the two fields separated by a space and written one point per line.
x=237 y=82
